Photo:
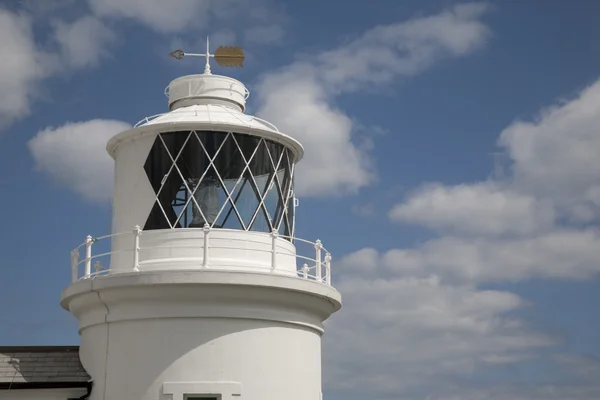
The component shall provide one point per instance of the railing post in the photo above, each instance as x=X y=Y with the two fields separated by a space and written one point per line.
x=205 y=254
x=88 y=256
x=328 y=268
x=136 y=247
x=305 y=271
x=74 y=264
x=274 y=235
x=318 y=273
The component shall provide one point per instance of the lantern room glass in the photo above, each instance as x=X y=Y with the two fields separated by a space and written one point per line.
x=223 y=179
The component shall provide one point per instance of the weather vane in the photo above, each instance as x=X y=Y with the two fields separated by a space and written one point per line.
x=225 y=56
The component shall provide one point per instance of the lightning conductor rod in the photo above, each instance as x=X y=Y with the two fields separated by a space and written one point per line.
x=207 y=55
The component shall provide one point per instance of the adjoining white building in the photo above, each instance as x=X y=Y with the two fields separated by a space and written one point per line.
x=200 y=292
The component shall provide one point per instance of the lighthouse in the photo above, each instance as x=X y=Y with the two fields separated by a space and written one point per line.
x=202 y=290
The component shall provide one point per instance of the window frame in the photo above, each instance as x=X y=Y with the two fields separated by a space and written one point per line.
x=221 y=390
x=162 y=167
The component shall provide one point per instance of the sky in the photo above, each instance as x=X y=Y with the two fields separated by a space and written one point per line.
x=451 y=168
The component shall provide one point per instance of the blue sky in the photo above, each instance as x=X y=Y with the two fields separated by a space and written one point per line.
x=450 y=167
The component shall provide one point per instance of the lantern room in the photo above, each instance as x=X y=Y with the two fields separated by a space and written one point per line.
x=203 y=165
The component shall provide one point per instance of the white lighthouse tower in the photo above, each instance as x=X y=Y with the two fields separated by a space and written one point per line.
x=201 y=292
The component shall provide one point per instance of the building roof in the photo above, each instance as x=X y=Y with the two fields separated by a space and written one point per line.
x=210 y=114
x=24 y=367
x=208 y=117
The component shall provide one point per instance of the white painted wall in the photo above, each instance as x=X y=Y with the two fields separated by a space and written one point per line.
x=205 y=89
x=269 y=360
x=259 y=335
x=93 y=356
x=232 y=250
x=133 y=196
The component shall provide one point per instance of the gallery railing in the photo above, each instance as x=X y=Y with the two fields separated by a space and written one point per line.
x=316 y=265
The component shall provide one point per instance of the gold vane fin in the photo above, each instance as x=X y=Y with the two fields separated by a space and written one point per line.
x=229 y=56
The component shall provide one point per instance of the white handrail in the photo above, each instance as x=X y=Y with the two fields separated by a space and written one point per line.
x=263 y=121
x=148 y=119
x=316 y=267
x=145 y=120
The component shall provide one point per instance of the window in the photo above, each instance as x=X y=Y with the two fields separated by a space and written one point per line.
x=200 y=398
x=203 y=390
x=223 y=179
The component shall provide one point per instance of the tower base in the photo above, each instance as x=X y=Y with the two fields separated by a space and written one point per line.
x=214 y=334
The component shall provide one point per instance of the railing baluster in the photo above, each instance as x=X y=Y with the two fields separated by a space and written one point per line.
x=328 y=268
x=305 y=271
x=136 y=247
x=274 y=235
x=88 y=256
x=318 y=273
x=205 y=253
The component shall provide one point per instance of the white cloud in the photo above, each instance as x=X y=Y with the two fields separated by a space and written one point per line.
x=260 y=21
x=407 y=332
x=555 y=176
x=483 y=208
x=163 y=16
x=363 y=261
x=555 y=181
x=74 y=155
x=299 y=98
x=405 y=48
x=538 y=210
x=298 y=105
x=559 y=254
x=548 y=391
x=44 y=8
x=20 y=69
x=84 y=41
x=415 y=325
x=401 y=334
x=522 y=226
x=22 y=74
x=556 y=156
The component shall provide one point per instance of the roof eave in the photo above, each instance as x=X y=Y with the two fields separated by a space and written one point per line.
x=44 y=385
